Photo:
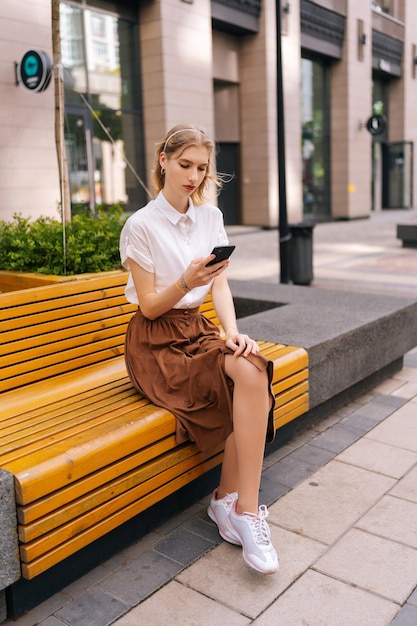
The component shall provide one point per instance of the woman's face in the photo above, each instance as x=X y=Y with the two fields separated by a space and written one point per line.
x=185 y=173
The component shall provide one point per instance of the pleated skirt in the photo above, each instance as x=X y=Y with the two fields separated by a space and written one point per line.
x=177 y=361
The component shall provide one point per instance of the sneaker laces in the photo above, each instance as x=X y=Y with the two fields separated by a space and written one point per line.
x=228 y=500
x=260 y=528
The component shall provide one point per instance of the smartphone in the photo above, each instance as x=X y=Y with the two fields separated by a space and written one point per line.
x=222 y=253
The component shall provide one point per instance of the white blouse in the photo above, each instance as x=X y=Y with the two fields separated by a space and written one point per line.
x=164 y=242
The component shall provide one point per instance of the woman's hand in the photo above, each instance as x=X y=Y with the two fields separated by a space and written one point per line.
x=197 y=274
x=242 y=345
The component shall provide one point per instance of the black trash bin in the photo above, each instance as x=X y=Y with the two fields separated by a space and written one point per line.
x=301 y=253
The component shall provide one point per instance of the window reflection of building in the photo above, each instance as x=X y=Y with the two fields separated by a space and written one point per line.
x=92 y=67
x=315 y=138
x=385 y=6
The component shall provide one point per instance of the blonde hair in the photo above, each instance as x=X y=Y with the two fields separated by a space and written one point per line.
x=173 y=145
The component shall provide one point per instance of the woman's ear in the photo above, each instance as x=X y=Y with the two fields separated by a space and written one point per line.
x=162 y=159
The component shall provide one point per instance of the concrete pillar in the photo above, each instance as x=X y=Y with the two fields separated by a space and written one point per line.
x=351 y=106
x=403 y=92
x=176 y=57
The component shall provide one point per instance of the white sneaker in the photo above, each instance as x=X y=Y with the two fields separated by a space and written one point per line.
x=218 y=511
x=255 y=537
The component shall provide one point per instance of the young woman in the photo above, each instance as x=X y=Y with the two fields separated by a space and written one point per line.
x=218 y=389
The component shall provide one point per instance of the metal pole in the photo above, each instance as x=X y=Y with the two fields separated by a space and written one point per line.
x=284 y=234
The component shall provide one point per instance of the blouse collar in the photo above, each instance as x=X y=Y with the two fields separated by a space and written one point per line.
x=172 y=214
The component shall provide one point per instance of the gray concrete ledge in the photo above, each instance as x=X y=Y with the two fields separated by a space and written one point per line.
x=9 y=555
x=348 y=336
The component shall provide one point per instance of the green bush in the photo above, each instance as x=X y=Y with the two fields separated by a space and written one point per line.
x=91 y=243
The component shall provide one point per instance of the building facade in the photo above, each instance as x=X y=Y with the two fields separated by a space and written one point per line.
x=132 y=69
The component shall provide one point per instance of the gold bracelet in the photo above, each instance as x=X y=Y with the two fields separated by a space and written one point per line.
x=182 y=285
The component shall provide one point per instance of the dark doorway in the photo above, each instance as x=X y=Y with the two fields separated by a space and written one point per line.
x=229 y=199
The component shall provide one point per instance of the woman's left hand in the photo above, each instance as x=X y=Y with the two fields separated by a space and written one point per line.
x=242 y=345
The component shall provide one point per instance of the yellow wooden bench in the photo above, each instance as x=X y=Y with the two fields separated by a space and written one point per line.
x=87 y=451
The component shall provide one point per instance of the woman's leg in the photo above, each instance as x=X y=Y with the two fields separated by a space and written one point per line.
x=244 y=449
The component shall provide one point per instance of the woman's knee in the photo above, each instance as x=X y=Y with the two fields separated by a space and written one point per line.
x=243 y=371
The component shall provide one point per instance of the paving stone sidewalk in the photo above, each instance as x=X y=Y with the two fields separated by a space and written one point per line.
x=342 y=498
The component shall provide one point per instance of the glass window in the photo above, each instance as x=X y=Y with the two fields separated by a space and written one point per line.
x=315 y=137
x=103 y=104
x=384 y=6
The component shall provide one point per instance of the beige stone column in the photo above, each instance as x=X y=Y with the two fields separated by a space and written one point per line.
x=176 y=58
x=403 y=93
x=351 y=106
x=259 y=119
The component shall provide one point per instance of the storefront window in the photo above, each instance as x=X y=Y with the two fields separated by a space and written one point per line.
x=103 y=107
x=315 y=138
x=384 y=6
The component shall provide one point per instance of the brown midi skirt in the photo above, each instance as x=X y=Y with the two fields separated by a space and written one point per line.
x=177 y=362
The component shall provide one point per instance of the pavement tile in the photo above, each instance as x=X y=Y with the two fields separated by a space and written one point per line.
x=400 y=429
x=407 y=391
x=140 y=577
x=277 y=455
x=336 y=439
x=177 y=605
x=317 y=600
x=270 y=491
x=52 y=621
x=183 y=546
x=79 y=587
x=406 y=617
x=40 y=612
x=375 y=564
x=389 y=386
x=390 y=400
x=223 y=575
x=358 y=422
x=177 y=520
x=327 y=505
x=413 y=598
x=379 y=457
x=119 y=559
x=407 y=373
x=204 y=527
x=289 y=471
x=313 y=455
x=94 y=608
x=394 y=519
x=406 y=488
x=410 y=359
x=376 y=410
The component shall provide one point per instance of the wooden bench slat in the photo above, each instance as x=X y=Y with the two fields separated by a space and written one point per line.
x=53 y=293
x=37 y=432
x=85 y=341
x=34 y=480
x=109 y=350
x=30 y=570
x=46 y=392
x=130 y=486
x=77 y=432
x=298 y=407
x=49 y=332
x=63 y=406
x=43 y=506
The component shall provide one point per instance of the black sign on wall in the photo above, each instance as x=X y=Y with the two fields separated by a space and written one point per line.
x=376 y=124
x=34 y=71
